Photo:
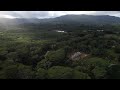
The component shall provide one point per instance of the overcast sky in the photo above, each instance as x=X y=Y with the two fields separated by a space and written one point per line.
x=52 y=14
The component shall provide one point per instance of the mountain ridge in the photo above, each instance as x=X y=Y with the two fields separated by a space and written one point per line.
x=67 y=21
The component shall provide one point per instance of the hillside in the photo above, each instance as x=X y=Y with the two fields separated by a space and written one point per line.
x=66 y=19
x=82 y=49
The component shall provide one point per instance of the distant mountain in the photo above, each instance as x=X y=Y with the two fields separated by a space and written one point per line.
x=66 y=20
x=103 y=19
x=89 y=19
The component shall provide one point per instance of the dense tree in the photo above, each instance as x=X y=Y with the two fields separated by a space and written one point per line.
x=3 y=54
x=94 y=67
x=99 y=52
x=79 y=75
x=113 y=72
x=11 y=72
x=13 y=56
x=44 y=64
x=41 y=73
x=119 y=58
x=117 y=49
x=25 y=72
x=18 y=72
x=56 y=57
x=59 y=72
x=39 y=52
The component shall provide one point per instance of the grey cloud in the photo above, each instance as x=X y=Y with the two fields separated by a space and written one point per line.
x=29 y=14
x=107 y=12
x=26 y=14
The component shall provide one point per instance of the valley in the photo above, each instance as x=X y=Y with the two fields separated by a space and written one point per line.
x=67 y=47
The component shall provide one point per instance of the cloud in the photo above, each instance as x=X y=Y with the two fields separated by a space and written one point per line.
x=112 y=13
x=7 y=16
x=31 y=14
x=59 y=13
x=51 y=14
x=25 y=14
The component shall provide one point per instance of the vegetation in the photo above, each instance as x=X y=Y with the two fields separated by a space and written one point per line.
x=46 y=54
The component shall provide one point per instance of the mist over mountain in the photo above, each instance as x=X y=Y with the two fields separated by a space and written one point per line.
x=66 y=21
x=72 y=18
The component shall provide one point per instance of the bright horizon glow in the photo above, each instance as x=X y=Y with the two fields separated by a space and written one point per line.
x=8 y=16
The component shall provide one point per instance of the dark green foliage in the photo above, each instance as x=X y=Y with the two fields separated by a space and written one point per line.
x=59 y=72
x=117 y=49
x=44 y=64
x=18 y=71
x=12 y=56
x=41 y=74
x=56 y=57
x=99 y=52
x=3 y=54
x=39 y=52
x=11 y=72
x=80 y=75
x=94 y=67
x=113 y=72
x=119 y=58
x=25 y=72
